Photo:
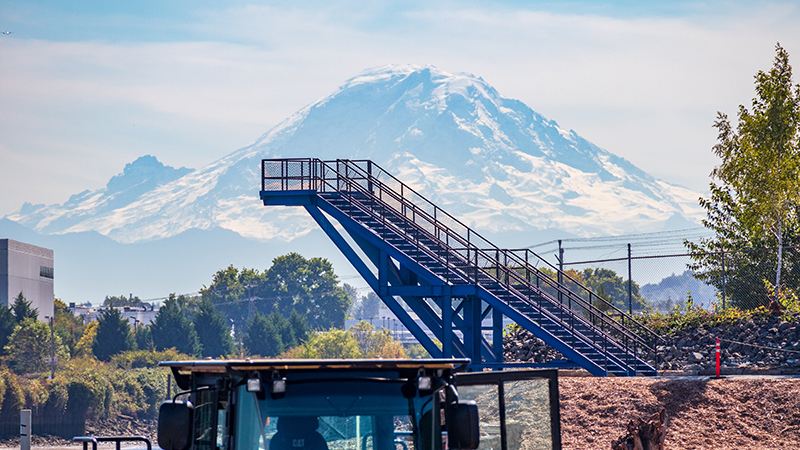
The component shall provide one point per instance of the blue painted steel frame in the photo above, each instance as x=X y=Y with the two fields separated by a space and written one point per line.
x=390 y=283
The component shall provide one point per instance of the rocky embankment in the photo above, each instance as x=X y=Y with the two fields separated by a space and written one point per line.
x=763 y=344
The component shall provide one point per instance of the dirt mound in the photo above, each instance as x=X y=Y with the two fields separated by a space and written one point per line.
x=114 y=426
x=703 y=414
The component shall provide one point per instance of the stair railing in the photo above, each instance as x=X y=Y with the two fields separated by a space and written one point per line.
x=370 y=180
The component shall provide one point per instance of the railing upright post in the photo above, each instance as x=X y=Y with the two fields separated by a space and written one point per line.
x=369 y=176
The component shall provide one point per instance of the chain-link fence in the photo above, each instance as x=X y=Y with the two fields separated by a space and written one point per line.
x=655 y=271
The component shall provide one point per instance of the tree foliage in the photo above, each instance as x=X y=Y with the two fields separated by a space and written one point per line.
x=23 y=310
x=68 y=326
x=86 y=342
x=131 y=300
x=374 y=343
x=602 y=282
x=143 y=335
x=293 y=283
x=113 y=335
x=366 y=307
x=332 y=344
x=215 y=338
x=7 y=323
x=263 y=338
x=171 y=328
x=754 y=208
x=29 y=345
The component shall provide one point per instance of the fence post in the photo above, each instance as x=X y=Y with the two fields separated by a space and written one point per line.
x=723 y=279
x=25 y=429
x=560 y=271
x=630 y=283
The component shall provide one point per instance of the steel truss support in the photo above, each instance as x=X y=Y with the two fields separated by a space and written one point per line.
x=454 y=315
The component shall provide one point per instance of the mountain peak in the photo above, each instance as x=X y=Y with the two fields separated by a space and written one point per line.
x=489 y=160
x=146 y=169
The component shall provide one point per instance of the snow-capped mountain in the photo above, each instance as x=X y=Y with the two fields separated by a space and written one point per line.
x=491 y=161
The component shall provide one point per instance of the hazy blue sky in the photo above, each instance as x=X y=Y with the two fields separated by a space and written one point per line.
x=86 y=87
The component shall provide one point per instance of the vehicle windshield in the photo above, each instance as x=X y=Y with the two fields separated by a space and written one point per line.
x=336 y=415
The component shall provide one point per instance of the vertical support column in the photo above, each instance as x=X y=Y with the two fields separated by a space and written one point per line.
x=447 y=322
x=477 y=329
x=468 y=330
x=472 y=329
x=383 y=273
x=25 y=429
x=497 y=334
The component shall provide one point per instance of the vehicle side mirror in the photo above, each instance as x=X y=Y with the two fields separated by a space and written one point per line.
x=175 y=425
x=463 y=431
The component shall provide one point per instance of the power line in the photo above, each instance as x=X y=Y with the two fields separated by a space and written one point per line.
x=630 y=238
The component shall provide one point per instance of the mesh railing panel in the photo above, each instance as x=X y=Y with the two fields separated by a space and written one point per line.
x=432 y=226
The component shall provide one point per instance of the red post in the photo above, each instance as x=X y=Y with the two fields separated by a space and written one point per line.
x=717 y=357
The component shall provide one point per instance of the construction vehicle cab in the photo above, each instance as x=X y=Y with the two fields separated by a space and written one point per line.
x=351 y=405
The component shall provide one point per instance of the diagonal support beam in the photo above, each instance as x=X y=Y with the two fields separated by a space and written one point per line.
x=370 y=278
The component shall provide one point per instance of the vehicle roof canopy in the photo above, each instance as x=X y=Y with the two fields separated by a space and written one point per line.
x=183 y=370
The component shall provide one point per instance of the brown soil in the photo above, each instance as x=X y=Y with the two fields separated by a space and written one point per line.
x=703 y=414
x=116 y=426
x=725 y=414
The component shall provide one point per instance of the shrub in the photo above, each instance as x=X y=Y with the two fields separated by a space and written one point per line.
x=143 y=358
x=13 y=398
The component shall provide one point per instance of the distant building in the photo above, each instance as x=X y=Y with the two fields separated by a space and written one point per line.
x=28 y=269
x=135 y=315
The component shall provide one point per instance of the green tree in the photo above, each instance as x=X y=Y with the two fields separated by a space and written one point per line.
x=374 y=343
x=23 y=310
x=215 y=339
x=759 y=170
x=68 y=326
x=87 y=340
x=607 y=284
x=366 y=307
x=113 y=335
x=299 y=326
x=172 y=328
x=233 y=292
x=263 y=338
x=332 y=344
x=7 y=323
x=309 y=286
x=29 y=345
x=117 y=301
x=143 y=335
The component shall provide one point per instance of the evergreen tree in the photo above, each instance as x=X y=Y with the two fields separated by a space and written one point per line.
x=285 y=329
x=23 y=310
x=262 y=337
x=143 y=336
x=299 y=326
x=113 y=335
x=215 y=339
x=7 y=324
x=172 y=328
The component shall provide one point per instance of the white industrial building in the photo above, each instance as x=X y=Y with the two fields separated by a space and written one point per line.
x=28 y=269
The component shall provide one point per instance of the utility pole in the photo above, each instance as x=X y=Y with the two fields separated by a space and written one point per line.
x=52 y=349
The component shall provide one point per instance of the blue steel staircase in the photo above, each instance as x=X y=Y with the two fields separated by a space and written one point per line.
x=452 y=278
